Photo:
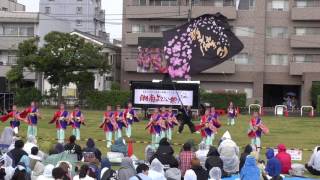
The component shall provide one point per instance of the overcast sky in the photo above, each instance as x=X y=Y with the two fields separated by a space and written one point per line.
x=113 y=10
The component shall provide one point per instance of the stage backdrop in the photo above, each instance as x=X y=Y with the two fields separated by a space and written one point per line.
x=148 y=94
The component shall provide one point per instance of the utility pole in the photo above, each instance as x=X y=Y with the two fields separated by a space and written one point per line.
x=190 y=10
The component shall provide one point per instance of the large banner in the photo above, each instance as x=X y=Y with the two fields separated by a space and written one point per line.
x=163 y=97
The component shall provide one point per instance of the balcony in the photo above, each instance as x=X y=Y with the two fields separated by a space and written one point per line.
x=227 y=67
x=305 y=41
x=300 y=68
x=132 y=38
x=307 y=13
x=27 y=75
x=11 y=42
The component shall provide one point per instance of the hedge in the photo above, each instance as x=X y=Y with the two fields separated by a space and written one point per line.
x=221 y=100
x=25 y=95
x=100 y=99
x=318 y=104
x=315 y=92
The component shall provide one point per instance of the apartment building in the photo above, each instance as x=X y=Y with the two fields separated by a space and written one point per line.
x=11 y=5
x=83 y=15
x=281 y=39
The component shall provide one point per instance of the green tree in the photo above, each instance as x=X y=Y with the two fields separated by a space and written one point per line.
x=85 y=84
x=63 y=59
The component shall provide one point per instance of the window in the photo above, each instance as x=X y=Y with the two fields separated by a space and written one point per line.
x=246 y=4
x=301 y=31
x=307 y=3
x=51 y=0
x=79 y=0
x=243 y=58
x=305 y=58
x=26 y=30
x=277 y=32
x=4 y=9
x=11 y=30
x=278 y=5
x=243 y=31
x=277 y=59
x=47 y=10
x=78 y=22
x=154 y=28
x=137 y=28
x=12 y=60
x=166 y=27
x=139 y=2
x=248 y=92
x=79 y=10
x=163 y=3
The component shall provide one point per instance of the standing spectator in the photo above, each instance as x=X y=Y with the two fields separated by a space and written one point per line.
x=250 y=170
x=142 y=173
x=91 y=147
x=214 y=160
x=186 y=118
x=156 y=171
x=190 y=175
x=6 y=139
x=246 y=152
x=215 y=173
x=185 y=158
x=126 y=169
x=47 y=173
x=273 y=167
x=198 y=169
x=165 y=154
x=284 y=158
x=73 y=148
x=313 y=165
x=229 y=152
x=83 y=174
x=17 y=153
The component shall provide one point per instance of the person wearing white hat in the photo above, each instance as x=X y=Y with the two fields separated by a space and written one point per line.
x=47 y=173
x=190 y=175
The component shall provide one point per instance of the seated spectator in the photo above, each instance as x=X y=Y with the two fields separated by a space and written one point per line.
x=185 y=158
x=284 y=158
x=31 y=142
x=127 y=169
x=66 y=166
x=57 y=149
x=91 y=147
x=214 y=160
x=202 y=153
x=47 y=173
x=58 y=173
x=36 y=165
x=7 y=166
x=148 y=153
x=142 y=173
x=246 y=152
x=119 y=146
x=173 y=173
x=273 y=167
x=20 y=172
x=6 y=139
x=73 y=148
x=198 y=169
x=17 y=153
x=229 y=152
x=313 y=166
x=190 y=175
x=156 y=171
x=106 y=172
x=215 y=173
x=56 y=159
x=250 y=170
x=83 y=174
x=165 y=154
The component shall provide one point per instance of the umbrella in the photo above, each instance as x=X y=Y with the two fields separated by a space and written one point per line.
x=291 y=94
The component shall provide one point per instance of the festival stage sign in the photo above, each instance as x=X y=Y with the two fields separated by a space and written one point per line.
x=163 y=97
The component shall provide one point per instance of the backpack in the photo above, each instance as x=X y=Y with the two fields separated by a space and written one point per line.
x=110 y=174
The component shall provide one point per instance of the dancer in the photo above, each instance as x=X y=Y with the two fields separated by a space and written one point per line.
x=33 y=115
x=207 y=128
x=256 y=128
x=215 y=120
x=186 y=118
x=232 y=114
x=130 y=117
x=61 y=119
x=16 y=118
x=154 y=126
x=164 y=122
x=118 y=116
x=109 y=125
x=171 y=122
x=75 y=120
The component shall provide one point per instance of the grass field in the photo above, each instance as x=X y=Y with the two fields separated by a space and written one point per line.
x=302 y=133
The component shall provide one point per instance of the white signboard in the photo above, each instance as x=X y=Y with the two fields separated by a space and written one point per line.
x=296 y=154
x=163 y=97
x=280 y=111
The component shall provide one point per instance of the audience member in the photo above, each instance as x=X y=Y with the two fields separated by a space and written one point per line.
x=229 y=152
x=250 y=170
x=31 y=142
x=127 y=169
x=107 y=173
x=202 y=153
x=215 y=173
x=313 y=166
x=190 y=175
x=58 y=173
x=165 y=154
x=273 y=167
x=73 y=148
x=214 y=160
x=17 y=153
x=156 y=171
x=6 y=139
x=36 y=165
x=142 y=173
x=47 y=173
x=91 y=147
x=83 y=173
x=119 y=146
x=185 y=158
x=246 y=152
x=21 y=173
x=198 y=169
x=284 y=158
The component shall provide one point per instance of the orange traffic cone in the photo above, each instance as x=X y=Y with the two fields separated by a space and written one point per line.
x=130 y=148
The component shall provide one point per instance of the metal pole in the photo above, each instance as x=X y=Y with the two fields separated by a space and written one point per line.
x=190 y=10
